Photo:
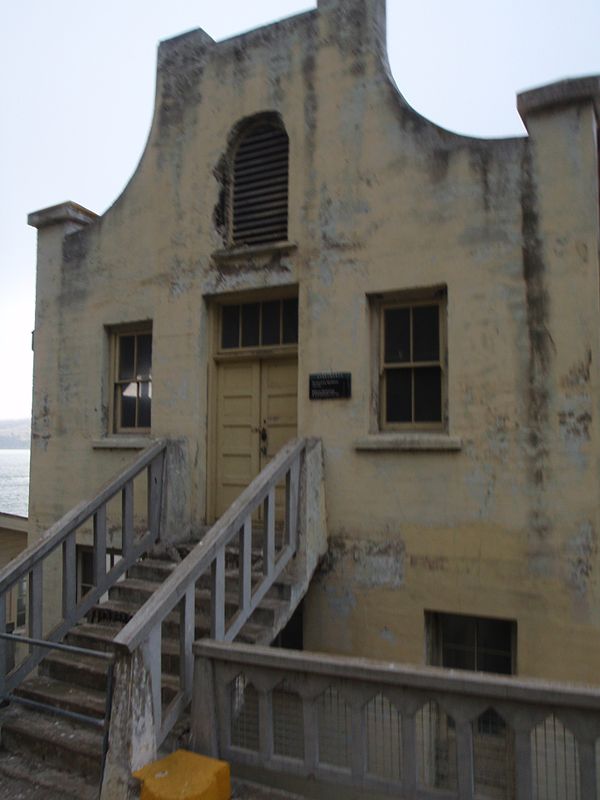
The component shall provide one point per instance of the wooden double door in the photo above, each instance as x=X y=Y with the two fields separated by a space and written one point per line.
x=256 y=410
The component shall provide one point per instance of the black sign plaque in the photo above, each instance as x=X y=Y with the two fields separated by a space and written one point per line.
x=330 y=386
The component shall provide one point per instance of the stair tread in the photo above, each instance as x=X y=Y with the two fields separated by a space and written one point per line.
x=48 y=782
x=203 y=594
x=47 y=727
x=63 y=695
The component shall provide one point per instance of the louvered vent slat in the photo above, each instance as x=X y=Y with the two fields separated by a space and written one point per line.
x=260 y=187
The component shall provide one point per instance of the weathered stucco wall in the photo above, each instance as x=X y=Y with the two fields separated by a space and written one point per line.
x=381 y=200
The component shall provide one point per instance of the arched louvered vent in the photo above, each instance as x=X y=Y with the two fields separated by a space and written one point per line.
x=260 y=186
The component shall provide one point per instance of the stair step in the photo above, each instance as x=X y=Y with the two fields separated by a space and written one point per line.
x=93 y=636
x=27 y=775
x=151 y=569
x=138 y=591
x=54 y=741
x=68 y=696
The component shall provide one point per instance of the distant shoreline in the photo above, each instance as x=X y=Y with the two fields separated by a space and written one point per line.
x=14 y=445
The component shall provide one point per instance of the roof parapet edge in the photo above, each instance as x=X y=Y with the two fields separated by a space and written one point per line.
x=560 y=93
x=61 y=213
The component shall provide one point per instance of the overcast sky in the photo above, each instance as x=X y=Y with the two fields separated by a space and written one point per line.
x=77 y=90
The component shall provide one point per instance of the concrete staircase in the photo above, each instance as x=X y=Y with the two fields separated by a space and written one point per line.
x=58 y=754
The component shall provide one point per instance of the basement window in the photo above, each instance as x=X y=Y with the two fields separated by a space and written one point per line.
x=457 y=641
x=132 y=382
x=259 y=184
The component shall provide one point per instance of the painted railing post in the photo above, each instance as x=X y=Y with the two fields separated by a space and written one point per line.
x=523 y=773
x=3 y=647
x=69 y=575
x=269 y=533
x=132 y=732
x=464 y=757
x=99 y=554
x=127 y=518
x=217 y=623
x=205 y=723
x=245 y=568
x=409 y=767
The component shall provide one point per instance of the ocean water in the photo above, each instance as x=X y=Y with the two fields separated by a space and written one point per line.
x=14 y=482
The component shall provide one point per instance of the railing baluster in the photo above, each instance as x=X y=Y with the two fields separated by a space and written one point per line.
x=359 y=743
x=409 y=754
x=3 y=646
x=154 y=494
x=291 y=504
x=127 y=518
x=69 y=575
x=35 y=604
x=245 y=569
x=587 y=767
x=154 y=658
x=187 y=627
x=311 y=734
x=218 y=596
x=99 y=557
x=523 y=772
x=464 y=757
x=265 y=725
x=269 y=534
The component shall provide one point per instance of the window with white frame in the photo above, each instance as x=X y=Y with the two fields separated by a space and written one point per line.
x=132 y=382
x=412 y=358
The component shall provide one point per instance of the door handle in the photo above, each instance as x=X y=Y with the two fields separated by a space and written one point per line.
x=264 y=435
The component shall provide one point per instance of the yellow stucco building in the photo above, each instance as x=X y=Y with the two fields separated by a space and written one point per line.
x=300 y=253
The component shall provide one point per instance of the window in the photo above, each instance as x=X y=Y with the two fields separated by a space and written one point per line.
x=259 y=184
x=472 y=643
x=267 y=324
x=412 y=363
x=133 y=380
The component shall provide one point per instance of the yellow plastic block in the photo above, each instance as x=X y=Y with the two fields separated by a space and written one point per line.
x=185 y=776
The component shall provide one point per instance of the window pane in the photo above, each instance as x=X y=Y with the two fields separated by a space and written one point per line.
x=494 y=646
x=230 y=327
x=397 y=335
x=290 y=321
x=398 y=383
x=250 y=315
x=144 y=405
x=144 y=355
x=458 y=641
x=428 y=394
x=426 y=333
x=270 y=323
x=126 y=357
x=128 y=403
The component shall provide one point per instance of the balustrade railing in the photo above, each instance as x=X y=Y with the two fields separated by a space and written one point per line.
x=61 y=539
x=391 y=729
x=257 y=504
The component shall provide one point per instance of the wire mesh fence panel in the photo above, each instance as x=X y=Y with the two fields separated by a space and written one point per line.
x=288 y=723
x=493 y=757
x=243 y=699
x=436 y=748
x=334 y=726
x=384 y=739
x=555 y=762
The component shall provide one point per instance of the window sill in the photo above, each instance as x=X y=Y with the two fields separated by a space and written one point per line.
x=122 y=443
x=409 y=442
x=234 y=253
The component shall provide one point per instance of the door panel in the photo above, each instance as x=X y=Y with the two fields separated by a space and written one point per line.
x=252 y=396
x=238 y=409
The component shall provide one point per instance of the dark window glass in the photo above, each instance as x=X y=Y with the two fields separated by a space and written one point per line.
x=476 y=644
x=144 y=405
x=428 y=394
x=126 y=357
x=250 y=317
x=230 y=327
x=290 y=321
x=128 y=403
x=399 y=395
x=270 y=323
x=144 y=355
x=426 y=333
x=397 y=335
